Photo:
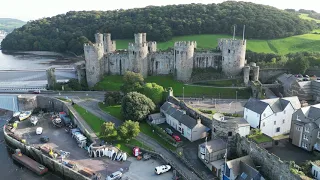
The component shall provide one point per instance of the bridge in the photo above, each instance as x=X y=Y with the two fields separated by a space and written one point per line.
x=32 y=79
x=9 y=102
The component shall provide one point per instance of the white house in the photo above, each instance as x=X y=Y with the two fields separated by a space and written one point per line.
x=315 y=170
x=272 y=116
x=190 y=128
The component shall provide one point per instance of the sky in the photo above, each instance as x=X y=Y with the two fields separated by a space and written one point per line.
x=35 y=9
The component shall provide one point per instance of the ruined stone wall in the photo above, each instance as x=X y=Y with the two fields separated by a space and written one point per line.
x=117 y=63
x=81 y=71
x=51 y=77
x=233 y=56
x=207 y=60
x=270 y=73
x=27 y=103
x=94 y=58
x=183 y=59
x=160 y=63
x=271 y=165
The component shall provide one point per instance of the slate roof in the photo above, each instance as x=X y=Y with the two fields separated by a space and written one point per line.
x=256 y=105
x=312 y=112
x=244 y=165
x=215 y=145
x=177 y=114
x=276 y=104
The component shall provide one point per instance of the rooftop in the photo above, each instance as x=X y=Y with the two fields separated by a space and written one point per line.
x=215 y=145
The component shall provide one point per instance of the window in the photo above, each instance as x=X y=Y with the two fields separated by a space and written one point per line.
x=283 y=121
x=284 y=112
x=214 y=129
x=228 y=50
x=275 y=114
x=304 y=145
x=229 y=133
x=264 y=114
x=318 y=135
x=274 y=122
x=315 y=173
x=306 y=129
x=246 y=117
x=298 y=128
x=278 y=129
x=263 y=124
x=298 y=118
x=305 y=137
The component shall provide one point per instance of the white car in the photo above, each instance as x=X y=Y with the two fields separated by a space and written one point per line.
x=39 y=130
x=162 y=169
x=115 y=176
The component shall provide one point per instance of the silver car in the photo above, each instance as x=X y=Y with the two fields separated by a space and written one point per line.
x=115 y=176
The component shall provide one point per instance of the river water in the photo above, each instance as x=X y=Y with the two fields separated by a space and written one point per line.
x=24 y=60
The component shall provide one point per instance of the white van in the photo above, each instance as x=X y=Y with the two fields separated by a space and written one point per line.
x=162 y=169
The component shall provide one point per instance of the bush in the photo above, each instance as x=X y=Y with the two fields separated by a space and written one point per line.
x=154 y=91
x=207 y=111
x=136 y=106
x=129 y=130
x=113 y=98
x=132 y=82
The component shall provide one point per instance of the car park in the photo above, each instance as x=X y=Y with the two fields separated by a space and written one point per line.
x=162 y=169
x=115 y=176
x=169 y=131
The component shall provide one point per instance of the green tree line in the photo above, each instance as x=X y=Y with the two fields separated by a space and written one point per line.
x=68 y=32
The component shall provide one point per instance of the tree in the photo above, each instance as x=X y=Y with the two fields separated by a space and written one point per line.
x=136 y=106
x=108 y=131
x=298 y=64
x=132 y=82
x=129 y=130
x=113 y=98
x=154 y=92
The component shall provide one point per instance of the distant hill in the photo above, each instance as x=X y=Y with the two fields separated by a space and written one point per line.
x=8 y=24
x=68 y=32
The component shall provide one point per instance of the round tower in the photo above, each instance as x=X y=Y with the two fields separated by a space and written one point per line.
x=255 y=70
x=144 y=37
x=93 y=54
x=109 y=45
x=233 y=56
x=246 y=74
x=138 y=55
x=99 y=38
x=183 y=59
x=51 y=78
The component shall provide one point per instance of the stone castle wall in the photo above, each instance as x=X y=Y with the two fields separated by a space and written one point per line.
x=94 y=55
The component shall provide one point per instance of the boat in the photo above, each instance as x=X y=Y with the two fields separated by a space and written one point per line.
x=30 y=163
x=24 y=115
x=16 y=114
x=34 y=120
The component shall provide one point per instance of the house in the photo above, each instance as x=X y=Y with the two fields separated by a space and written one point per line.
x=190 y=128
x=305 y=131
x=272 y=116
x=315 y=170
x=241 y=168
x=212 y=154
x=229 y=126
x=156 y=118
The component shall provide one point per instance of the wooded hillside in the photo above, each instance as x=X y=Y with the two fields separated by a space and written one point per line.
x=68 y=32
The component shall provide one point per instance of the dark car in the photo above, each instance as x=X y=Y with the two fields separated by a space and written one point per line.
x=169 y=131
x=44 y=139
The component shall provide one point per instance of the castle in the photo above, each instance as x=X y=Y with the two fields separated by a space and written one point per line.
x=142 y=57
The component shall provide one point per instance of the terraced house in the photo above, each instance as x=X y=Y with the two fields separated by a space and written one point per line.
x=305 y=131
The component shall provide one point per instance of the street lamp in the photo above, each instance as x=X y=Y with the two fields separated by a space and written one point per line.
x=183 y=93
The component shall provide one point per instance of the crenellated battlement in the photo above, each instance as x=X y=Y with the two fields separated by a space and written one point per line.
x=185 y=44
x=233 y=42
x=92 y=47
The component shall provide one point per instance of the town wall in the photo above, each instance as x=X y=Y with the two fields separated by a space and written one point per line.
x=161 y=63
x=207 y=60
x=81 y=71
x=266 y=74
x=117 y=63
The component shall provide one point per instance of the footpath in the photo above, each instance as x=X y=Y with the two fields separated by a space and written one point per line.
x=92 y=107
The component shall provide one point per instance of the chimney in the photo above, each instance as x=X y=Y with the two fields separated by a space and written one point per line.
x=198 y=121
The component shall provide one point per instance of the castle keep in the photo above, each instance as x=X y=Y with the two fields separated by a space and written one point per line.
x=142 y=57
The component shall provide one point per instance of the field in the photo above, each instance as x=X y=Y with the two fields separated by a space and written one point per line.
x=306 y=17
x=113 y=83
x=305 y=42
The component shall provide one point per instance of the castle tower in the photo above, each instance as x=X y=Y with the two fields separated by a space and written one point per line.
x=138 y=53
x=246 y=75
x=144 y=37
x=99 y=38
x=183 y=59
x=51 y=77
x=255 y=70
x=233 y=56
x=152 y=46
x=93 y=54
x=109 y=45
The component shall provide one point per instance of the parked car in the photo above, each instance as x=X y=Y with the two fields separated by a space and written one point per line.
x=162 y=169
x=44 y=139
x=36 y=92
x=115 y=176
x=39 y=130
x=176 y=137
x=169 y=131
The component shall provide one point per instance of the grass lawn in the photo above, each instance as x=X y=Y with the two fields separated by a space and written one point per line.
x=168 y=81
x=112 y=110
x=306 y=17
x=305 y=42
x=260 y=138
x=146 y=129
x=222 y=83
x=133 y=142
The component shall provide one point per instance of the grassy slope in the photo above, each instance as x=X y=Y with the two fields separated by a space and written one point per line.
x=305 y=42
x=167 y=81
x=306 y=16
x=114 y=111
x=8 y=24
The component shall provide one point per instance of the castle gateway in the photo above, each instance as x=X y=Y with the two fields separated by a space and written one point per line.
x=142 y=57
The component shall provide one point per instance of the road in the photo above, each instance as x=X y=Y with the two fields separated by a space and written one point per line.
x=92 y=106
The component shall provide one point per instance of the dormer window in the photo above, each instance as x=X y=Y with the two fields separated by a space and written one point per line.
x=306 y=129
